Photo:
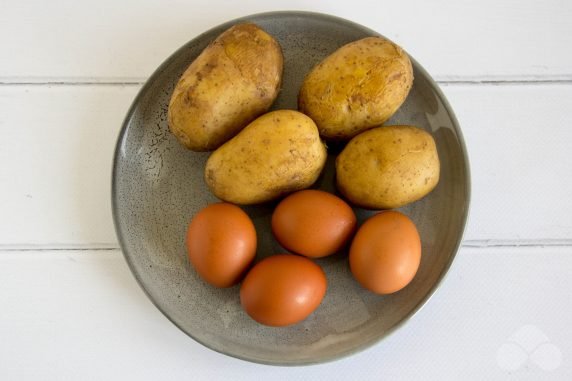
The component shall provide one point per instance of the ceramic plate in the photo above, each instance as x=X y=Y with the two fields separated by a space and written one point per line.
x=158 y=187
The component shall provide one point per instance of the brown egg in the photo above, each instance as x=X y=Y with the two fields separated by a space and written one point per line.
x=386 y=252
x=221 y=243
x=313 y=223
x=282 y=290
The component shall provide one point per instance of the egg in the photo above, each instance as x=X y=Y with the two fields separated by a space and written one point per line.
x=385 y=252
x=282 y=290
x=313 y=223
x=221 y=244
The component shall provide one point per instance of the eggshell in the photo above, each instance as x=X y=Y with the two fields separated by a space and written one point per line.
x=313 y=223
x=221 y=244
x=282 y=290
x=386 y=252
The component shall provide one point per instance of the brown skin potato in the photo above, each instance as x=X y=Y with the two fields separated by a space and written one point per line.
x=359 y=86
x=388 y=167
x=278 y=153
x=233 y=81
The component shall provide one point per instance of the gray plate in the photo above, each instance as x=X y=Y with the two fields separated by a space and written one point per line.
x=158 y=187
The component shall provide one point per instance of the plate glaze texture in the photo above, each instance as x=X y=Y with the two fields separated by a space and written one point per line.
x=158 y=186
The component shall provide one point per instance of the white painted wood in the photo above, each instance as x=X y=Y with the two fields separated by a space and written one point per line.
x=518 y=139
x=106 y=40
x=56 y=153
x=58 y=142
x=81 y=315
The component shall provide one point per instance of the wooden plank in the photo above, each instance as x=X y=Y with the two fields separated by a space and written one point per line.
x=81 y=315
x=105 y=40
x=518 y=143
x=57 y=162
x=56 y=155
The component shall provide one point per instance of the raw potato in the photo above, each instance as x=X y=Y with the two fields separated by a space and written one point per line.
x=278 y=153
x=388 y=167
x=359 y=86
x=233 y=81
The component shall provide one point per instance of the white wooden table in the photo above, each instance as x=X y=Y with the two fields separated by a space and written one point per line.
x=69 y=307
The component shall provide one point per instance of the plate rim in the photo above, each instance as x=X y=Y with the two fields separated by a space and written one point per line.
x=365 y=344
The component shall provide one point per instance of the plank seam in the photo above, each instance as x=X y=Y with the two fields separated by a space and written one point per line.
x=467 y=244
x=443 y=82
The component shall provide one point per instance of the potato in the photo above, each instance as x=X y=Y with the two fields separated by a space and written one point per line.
x=388 y=167
x=278 y=153
x=359 y=86
x=234 y=80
